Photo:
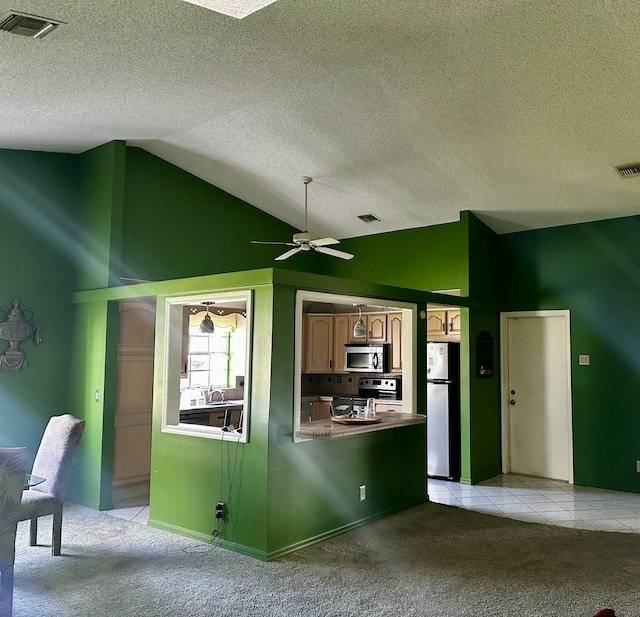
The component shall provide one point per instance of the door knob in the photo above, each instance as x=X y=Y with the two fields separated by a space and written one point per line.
x=512 y=402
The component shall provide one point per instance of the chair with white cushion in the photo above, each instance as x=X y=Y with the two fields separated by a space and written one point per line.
x=13 y=466
x=53 y=463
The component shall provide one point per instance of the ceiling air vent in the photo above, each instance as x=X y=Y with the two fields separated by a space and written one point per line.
x=627 y=171
x=369 y=218
x=28 y=25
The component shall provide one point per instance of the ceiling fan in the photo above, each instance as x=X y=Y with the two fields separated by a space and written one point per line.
x=305 y=241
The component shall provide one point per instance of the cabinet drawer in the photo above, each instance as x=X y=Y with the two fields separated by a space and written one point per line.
x=388 y=407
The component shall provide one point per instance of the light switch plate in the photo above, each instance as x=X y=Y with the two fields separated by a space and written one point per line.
x=583 y=360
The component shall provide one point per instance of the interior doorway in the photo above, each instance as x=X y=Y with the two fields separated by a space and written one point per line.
x=536 y=394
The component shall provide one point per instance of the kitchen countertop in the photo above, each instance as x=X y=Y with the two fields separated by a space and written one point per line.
x=327 y=429
x=213 y=406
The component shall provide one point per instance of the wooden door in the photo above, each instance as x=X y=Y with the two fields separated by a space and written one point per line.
x=319 y=343
x=453 y=325
x=377 y=328
x=436 y=325
x=134 y=398
x=341 y=336
x=394 y=326
x=537 y=389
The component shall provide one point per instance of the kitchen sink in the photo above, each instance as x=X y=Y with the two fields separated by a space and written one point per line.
x=225 y=404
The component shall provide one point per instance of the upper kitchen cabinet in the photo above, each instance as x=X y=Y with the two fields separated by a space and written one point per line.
x=319 y=344
x=341 y=335
x=376 y=326
x=394 y=329
x=443 y=325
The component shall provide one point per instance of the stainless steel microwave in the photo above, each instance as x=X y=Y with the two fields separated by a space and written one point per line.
x=366 y=357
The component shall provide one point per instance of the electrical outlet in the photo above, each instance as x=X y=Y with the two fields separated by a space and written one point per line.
x=638 y=466
x=220 y=510
x=363 y=490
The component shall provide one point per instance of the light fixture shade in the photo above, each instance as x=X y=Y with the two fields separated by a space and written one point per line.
x=206 y=325
x=359 y=329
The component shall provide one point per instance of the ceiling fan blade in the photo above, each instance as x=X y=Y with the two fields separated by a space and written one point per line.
x=280 y=243
x=324 y=241
x=288 y=254
x=333 y=252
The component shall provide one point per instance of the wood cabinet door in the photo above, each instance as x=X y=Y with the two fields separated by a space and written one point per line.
x=377 y=328
x=394 y=326
x=436 y=325
x=319 y=350
x=453 y=323
x=321 y=410
x=341 y=335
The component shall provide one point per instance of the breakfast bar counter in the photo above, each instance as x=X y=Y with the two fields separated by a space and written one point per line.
x=329 y=429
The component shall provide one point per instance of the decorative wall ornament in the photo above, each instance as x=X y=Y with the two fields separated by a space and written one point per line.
x=18 y=327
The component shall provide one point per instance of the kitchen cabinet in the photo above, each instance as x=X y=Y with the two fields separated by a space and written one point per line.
x=341 y=336
x=315 y=408
x=319 y=344
x=382 y=407
x=376 y=325
x=443 y=325
x=324 y=338
x=453 y=321
x=321 y=410
x=394 y=331
x=303 y=355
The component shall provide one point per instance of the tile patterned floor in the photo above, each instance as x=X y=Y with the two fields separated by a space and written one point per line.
x=523 y=498
x=537 y=500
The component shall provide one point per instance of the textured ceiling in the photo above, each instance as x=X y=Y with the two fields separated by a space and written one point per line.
x=413 y=110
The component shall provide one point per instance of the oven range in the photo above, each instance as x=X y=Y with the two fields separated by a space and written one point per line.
x=378 y=388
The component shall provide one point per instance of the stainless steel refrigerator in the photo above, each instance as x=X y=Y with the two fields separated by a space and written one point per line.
x=443 y=410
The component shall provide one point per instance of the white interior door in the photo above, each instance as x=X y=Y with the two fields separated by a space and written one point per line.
x=537 y=433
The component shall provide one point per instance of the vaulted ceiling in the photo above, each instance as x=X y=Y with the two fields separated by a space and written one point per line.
x=412 y=110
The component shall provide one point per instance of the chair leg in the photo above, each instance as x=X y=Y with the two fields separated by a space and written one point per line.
x=33 y=532
x=6 y=590
x=56 y=539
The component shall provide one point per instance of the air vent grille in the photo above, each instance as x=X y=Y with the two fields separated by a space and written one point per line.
x=28 y=25
x=369 y=218
x=627 y=171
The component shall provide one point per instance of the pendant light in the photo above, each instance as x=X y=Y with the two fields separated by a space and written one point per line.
x=206 y=325
x=359 y=329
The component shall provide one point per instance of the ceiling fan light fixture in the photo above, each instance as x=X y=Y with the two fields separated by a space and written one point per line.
x=305 y=241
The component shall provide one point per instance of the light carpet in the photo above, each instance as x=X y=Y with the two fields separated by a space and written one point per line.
x=430 y=560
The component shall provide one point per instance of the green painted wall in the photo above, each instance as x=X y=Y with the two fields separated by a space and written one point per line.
x=190 y=474
x=314 y=485
x=592 y=269
x=176 y=225
x=426 y=258
x=481 y=430
x=280 y=495
x=120 y=190
x=38 y=212
x=93 y=370
x=100 y=216
x=482 y=457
